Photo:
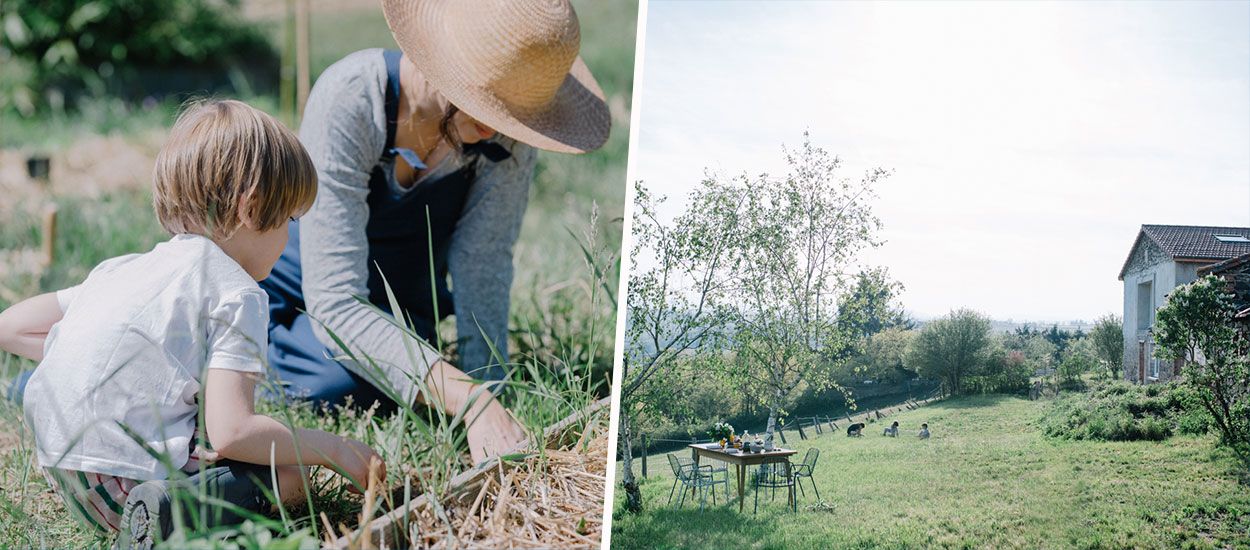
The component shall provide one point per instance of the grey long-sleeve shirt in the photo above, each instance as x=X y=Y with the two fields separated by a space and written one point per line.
x=344 y=130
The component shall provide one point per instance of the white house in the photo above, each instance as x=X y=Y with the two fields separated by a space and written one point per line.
x=1164 y=257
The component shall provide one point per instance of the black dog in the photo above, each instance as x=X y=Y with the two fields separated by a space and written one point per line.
x=855 y=430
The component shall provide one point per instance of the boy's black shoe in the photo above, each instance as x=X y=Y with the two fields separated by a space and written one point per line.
x=148 y=518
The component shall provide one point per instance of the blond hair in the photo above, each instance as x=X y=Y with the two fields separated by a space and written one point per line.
x=217 y=153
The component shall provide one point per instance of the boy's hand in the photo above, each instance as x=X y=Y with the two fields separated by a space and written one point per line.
x=354 y=459
x=493 y=432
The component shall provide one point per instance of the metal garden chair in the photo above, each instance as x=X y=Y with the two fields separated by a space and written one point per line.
x=696 y=478
x=773 y=475
x=805 y=470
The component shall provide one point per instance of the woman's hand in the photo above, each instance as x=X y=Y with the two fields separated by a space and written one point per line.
x=493 y=431
x=354 y=460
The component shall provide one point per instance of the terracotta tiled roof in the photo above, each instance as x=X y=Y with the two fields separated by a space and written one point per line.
x=1226 y=265
x=1191 y=242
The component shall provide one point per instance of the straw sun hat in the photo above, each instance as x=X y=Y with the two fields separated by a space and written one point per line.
x=510 y=64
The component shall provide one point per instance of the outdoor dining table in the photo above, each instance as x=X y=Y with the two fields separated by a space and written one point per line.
x=742 y=460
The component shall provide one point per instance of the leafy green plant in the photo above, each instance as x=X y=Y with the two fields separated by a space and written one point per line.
x=71 y=48
x=1119 y=411
x=1196 y=325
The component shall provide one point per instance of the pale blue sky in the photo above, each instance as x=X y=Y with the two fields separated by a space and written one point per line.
x=1029 y=141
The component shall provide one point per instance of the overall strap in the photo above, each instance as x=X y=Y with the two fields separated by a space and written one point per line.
x=491 y=150
x=392 y=99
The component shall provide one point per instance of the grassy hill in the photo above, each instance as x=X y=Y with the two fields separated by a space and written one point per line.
x=987 y=478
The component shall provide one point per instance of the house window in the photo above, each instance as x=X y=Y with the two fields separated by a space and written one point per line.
x=1152 y=362
x=1145 y=305
x=1232 y=239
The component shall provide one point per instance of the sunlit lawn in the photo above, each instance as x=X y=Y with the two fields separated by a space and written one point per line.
x=987 y=478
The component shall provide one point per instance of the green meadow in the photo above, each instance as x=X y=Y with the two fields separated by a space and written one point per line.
x=987 y=478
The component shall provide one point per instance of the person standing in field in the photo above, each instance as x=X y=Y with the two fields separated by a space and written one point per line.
x=424 y=158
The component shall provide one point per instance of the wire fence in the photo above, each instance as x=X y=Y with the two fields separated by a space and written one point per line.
x=806 y=427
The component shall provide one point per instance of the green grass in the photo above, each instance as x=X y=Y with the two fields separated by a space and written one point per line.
x=987 y=478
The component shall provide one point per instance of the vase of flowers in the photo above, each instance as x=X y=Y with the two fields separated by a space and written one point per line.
x=722 y=432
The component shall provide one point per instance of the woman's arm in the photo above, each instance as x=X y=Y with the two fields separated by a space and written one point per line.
x=480 y=258
x=236 y=432
x=25 y=325
x=344 y=131
x=491 y=429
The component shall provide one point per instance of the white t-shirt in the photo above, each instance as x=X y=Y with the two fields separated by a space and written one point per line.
x=126 y=361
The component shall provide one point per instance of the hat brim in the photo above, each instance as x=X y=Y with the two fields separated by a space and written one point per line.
x=577 y=119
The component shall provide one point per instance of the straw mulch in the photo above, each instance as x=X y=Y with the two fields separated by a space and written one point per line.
x=543 y=500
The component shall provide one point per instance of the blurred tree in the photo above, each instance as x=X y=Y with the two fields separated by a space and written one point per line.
x=672 y=308
x=1040 y=352
x=1078 y=359
x=883 y=356
x=1107 y=338
x=871 y=305
x=91 y=47
x=952 y=348
x=796 y=236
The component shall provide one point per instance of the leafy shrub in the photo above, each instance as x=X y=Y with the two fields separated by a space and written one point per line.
x=1120 y=411
x=64 y=49
x=1003 y=372
x=1197 y=325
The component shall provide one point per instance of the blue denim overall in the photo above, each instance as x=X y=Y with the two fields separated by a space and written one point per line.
x=399 y=244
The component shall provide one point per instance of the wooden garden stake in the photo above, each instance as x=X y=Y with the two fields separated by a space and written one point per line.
x=286 y=75
x=302 y=76
x=49 y=235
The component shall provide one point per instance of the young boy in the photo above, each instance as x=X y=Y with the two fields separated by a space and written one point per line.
x=128 y=356
x=924 y=431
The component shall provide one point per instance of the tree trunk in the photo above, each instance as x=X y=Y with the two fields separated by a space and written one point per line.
x=633 y=496
x=773 y=407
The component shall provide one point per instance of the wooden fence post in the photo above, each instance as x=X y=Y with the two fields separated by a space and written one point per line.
x=832 y=425
x=782 y=433
x=817 y=426
x=644 y=455
x=693 y=455
x=848 y=418
x=800 y=425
